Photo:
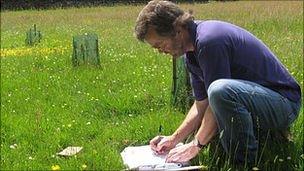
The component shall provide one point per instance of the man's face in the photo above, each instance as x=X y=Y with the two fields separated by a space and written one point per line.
x=167 y=45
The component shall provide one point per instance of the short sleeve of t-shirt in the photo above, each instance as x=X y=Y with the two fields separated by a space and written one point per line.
x=214 y=60
x=198 y=87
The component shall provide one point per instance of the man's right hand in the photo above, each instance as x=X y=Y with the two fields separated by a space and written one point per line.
x=162 y=144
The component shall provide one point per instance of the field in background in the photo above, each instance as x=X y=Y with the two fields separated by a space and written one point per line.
x=47 y=105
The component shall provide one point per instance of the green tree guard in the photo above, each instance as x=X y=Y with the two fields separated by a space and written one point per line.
x=85 y=50
x=33 y=36
x=182 y=97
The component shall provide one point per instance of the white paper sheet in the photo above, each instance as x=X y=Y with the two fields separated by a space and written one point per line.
x=70 y=151
x=134 y=157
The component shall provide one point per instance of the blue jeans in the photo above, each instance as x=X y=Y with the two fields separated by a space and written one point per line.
x=240 y=107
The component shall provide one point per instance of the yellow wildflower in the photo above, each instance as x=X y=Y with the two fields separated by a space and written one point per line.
x=56 y=167
x=84 y=166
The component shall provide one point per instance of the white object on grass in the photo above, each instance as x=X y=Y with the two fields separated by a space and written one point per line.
x=70 y=151
x=144 y=158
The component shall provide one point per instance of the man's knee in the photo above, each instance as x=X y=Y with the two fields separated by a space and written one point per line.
x=218 y=91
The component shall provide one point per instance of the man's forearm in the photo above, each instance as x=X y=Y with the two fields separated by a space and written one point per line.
x=192 y=120
x=208 y=127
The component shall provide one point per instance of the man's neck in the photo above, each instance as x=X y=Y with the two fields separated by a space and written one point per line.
x=188 y=42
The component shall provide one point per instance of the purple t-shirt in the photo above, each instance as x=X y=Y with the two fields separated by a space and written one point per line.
x=223 y=50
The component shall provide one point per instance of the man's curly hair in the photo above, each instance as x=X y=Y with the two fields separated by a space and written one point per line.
x=163 y=16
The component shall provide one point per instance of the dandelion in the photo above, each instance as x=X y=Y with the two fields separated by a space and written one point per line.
x=56 y=167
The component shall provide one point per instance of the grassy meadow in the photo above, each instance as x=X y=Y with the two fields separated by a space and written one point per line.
x=47 y=104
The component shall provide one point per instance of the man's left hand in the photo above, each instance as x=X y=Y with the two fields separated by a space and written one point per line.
x=182 y=153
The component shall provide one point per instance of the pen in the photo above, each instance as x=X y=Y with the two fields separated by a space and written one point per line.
x=160 y=129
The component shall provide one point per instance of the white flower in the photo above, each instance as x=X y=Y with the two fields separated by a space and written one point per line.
x=14 y=146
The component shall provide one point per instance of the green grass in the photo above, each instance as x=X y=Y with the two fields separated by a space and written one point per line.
x=46 y=104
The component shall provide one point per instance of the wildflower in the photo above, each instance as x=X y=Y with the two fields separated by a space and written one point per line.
x=14 y=146
x=88 y=123
x=31 y=158
x=56 y=167
x=84 y=166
